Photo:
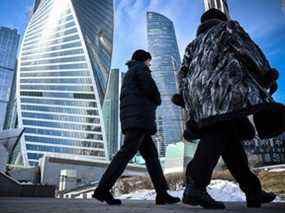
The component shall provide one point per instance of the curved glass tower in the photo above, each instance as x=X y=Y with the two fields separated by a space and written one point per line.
x=162 y=44
x=9 y=40
x=62 y=77
x=111 y=112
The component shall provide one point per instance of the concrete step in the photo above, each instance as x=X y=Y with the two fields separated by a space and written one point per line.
x=10 y=187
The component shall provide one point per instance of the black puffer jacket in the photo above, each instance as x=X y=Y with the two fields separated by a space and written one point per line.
x=139 y=99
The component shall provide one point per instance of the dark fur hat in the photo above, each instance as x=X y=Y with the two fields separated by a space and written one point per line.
x=213 y=14
x=141 y=55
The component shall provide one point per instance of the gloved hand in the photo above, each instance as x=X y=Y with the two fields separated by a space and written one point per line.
x=273 y=88
x=177 y=99
x=269 y=78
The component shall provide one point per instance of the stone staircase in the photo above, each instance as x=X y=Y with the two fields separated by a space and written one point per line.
x=9 y=187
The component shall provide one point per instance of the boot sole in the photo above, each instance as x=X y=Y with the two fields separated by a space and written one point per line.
x=197 y=203
x=98 y=198
x=190 y=202
x=166 y=203
x=268 y=200
x=256 y=206
x=103 y=200
x=253 y=204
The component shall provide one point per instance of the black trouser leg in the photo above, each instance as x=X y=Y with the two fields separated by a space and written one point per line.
x=236 y=161
x=132 y=142
x=222 y=141
x=149 y=153
x=206 y=157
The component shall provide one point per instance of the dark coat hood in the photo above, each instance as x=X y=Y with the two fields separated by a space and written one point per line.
x=137 y=65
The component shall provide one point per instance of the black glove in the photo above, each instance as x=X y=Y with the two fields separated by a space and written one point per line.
x=273 y=88
x=177 y=99
x=270 y=78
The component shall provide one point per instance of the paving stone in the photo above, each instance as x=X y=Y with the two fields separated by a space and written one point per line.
x=47 y=205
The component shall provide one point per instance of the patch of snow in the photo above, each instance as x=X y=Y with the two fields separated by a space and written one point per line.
x=266 y=168
x=27 y=183
x=225 y=191
x=177 y=169
x=277 y=170
x=140 y=195
x=220 y=190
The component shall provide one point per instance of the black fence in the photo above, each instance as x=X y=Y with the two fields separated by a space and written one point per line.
x=269 y=152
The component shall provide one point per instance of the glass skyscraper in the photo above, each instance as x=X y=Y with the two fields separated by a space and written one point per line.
x=36 y=5
x=62 y=75
x=9 y=40
x=111 y=112
x=166 y=61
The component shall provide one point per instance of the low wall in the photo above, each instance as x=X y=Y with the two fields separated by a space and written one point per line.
x=88 y=170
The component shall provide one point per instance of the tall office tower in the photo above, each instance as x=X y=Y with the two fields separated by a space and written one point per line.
x=218 y=4
x=11 y=114
x=62 y=78
x=36 y=5
x=162 y=44
x=9 y=40
x=111 y=112
x=283 y=5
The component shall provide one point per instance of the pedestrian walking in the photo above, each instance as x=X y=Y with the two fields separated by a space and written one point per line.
x=138 y=102
x=224 y=78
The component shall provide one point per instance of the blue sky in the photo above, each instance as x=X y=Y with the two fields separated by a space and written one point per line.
x=264 y=20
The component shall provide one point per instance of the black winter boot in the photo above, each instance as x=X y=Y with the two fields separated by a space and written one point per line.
x=267 y=197
x=256 y=199
x=165 y=198
x=199 y=197
x=107 y=197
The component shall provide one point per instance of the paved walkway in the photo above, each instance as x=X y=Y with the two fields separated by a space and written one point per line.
x=38 y=205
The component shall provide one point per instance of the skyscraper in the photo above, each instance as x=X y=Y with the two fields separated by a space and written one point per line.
x=62 y=78
x=9 y=40
x=283 y=5
x=11 y=114
x=162 y=44
x=111 y=112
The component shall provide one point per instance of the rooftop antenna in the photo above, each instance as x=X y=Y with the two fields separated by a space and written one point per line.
x=221 y=5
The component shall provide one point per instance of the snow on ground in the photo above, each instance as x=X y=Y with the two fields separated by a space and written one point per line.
x=225 y=191
x=220 y=190
x=277 y=170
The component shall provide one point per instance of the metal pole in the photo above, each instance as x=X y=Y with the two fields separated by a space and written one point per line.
x=221 y=5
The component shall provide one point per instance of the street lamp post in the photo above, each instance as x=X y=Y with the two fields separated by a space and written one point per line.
x=218 y=4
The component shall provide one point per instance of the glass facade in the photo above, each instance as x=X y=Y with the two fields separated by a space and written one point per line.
x=62 y=78
x=11 y=114
x=269 y=151
x=96 y=19
x=9 y=40
x=36 y=5
x=111 y=112
x=166 y=60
